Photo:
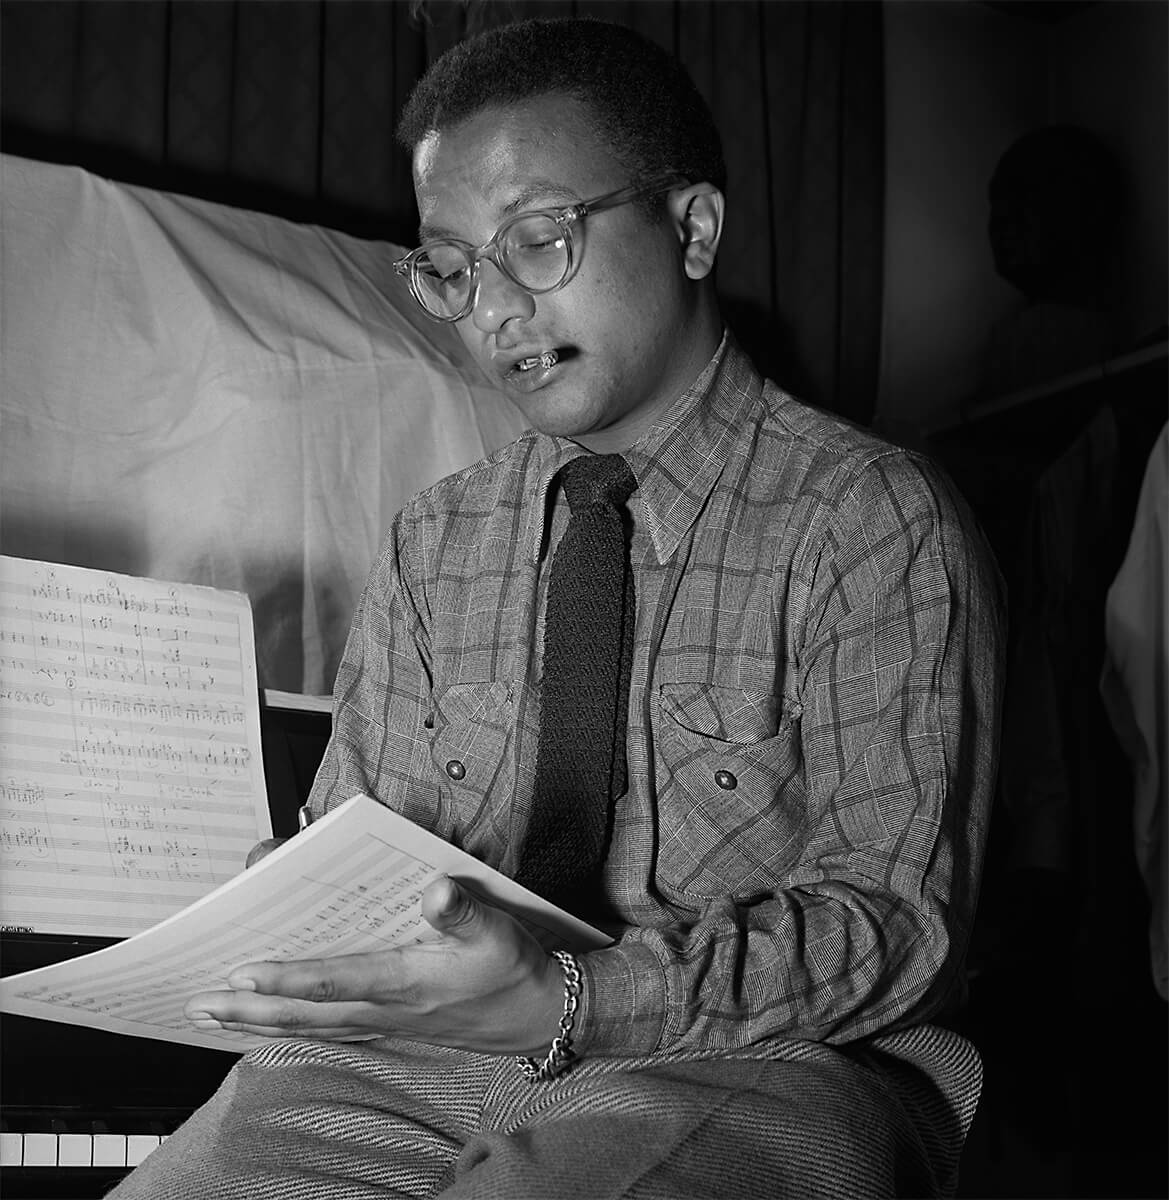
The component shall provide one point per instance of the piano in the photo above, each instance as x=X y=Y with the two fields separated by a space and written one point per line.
x=80 y=1107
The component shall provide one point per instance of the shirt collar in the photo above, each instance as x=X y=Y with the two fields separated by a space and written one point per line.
x=681 y=457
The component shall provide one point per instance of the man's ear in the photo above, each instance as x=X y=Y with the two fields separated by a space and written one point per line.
x=697 y=210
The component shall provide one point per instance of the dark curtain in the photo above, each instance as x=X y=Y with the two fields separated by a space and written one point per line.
x=288 y=106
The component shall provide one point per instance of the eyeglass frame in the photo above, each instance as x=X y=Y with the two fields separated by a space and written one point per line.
x=565 y=217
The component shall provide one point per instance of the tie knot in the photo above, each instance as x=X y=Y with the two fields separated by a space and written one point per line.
x=597 y=479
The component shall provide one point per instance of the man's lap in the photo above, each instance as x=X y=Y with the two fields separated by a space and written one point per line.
x=343 y=1122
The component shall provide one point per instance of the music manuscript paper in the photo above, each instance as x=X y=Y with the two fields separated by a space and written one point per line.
x=131 y=772
x=351 y=882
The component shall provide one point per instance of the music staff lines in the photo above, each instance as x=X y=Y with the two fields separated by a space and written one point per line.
x=120 y=731
x=195 y=639
x=132 y=777
x=169 y=743
x=339 y=917
x=115 y=664
x=74 y=893
x=119 y=817
x=124 y=835
x=124 y=594
x=21 y=794
x=91 y=755
x=115 y=777
x=130 y=707
x=191 y=636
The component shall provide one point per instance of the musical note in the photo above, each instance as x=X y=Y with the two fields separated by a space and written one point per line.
x=352 y=882
x=130 y=764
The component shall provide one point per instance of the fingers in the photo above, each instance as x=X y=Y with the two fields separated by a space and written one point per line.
x=277 y=1016
x=346 y=1033
x=465 y=953
x=340 y=1033
x=320 y=980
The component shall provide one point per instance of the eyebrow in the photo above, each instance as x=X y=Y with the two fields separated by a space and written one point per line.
x=535 y=189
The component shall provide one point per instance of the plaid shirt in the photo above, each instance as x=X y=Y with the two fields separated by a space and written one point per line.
x=812 y=726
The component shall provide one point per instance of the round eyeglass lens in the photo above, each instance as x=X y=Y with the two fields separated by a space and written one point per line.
x=535 y=252
x=442 y=277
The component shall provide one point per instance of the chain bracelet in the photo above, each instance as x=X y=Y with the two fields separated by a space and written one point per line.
x=560 y=1055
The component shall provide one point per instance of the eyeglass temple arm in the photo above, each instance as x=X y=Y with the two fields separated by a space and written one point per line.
x=663 y=183
x=577 y=212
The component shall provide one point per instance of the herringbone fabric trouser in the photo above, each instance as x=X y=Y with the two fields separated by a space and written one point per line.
x=299 y=1120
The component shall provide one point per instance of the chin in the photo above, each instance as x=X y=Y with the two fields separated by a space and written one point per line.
x=559 y=419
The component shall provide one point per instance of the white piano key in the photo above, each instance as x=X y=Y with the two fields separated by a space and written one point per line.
x=75 y=1150
x=138 y=1146
x=40 y=1150
x=11 y=1149
x=109 y=1150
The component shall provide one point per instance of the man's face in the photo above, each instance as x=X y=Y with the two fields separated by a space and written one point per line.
x=622 y=326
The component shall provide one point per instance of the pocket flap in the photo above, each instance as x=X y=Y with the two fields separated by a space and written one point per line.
x=462 y=702
x=723 y=713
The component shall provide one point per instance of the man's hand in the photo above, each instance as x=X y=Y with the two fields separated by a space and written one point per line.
x=485 y=984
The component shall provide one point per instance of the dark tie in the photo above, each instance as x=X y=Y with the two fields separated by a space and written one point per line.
x=588 y=647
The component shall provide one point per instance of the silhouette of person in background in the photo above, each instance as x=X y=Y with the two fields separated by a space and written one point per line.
x=1056 y=198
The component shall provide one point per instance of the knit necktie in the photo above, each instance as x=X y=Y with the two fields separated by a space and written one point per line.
x=588 y=647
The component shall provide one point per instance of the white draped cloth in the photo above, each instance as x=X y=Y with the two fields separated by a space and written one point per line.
x=196 y=393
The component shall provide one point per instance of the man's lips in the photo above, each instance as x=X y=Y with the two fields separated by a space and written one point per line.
x=506 y=361
x=528 y=368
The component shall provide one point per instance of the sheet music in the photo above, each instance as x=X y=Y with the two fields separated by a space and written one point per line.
x=351 y=882
x=131 y=771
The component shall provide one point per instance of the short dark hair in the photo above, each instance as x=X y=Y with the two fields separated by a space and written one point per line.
x=645 y=105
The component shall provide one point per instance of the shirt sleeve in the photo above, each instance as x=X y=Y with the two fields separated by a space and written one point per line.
x=899 y=659
x=381 y=697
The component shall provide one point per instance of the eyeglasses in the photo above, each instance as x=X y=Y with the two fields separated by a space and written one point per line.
x=536 y=250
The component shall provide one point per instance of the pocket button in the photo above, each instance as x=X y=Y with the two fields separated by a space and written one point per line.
x=726 y=780
x=455 y=769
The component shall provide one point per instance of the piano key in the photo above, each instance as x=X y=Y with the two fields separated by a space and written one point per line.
x=75 y=1150
x=109 y=1149
x=40 y=1150
x=138 y=1146
x=11 y=1149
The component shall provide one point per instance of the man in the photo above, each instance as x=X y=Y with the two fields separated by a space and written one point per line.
x=805 y=727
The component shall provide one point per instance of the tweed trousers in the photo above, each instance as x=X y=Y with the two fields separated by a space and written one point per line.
x=375 y=1121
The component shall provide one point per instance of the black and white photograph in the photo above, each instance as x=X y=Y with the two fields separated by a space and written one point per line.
x=583 y=599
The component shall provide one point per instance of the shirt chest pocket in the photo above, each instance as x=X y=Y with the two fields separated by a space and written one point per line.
x=472 y=749
x=731 y=811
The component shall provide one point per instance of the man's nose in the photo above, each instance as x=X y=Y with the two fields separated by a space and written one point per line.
x=498 y=300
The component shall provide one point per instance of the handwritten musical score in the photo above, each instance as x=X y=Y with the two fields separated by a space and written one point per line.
x=350 y=883
x=131 y=773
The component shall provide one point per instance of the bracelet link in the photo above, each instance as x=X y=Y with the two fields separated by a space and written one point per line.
x=560 y=1055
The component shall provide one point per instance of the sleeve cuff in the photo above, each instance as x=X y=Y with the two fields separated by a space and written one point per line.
x=623 y=1001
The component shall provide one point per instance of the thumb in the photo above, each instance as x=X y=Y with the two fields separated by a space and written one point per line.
x=449 y=908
